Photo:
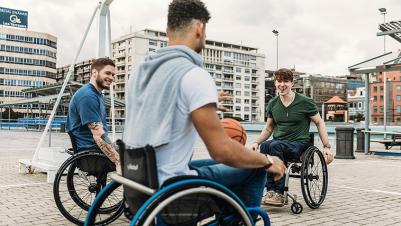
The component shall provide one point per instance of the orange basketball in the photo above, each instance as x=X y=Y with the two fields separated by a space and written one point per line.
x=234 y=130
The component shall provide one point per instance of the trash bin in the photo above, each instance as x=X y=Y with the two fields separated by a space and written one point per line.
x=344 y=143
x=62 y=127
x=360 y=140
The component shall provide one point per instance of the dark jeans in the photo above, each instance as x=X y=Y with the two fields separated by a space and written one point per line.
x=284 y=150
x=246 y=183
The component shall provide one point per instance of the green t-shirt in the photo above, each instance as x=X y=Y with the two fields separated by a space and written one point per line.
x=293 y=122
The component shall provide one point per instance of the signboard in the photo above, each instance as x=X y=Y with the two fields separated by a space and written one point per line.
x=13 y=18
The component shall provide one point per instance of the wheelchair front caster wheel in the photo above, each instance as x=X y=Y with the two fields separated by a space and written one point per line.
x=296 y=208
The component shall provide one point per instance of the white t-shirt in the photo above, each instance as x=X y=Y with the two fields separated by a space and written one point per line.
x=197 y=89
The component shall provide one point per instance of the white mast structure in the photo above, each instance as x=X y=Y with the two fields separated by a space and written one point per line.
x=49 y=159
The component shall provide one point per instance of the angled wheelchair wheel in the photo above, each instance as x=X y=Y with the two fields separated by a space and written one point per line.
x=96 y=215
x=79 y=180
x=314 y=177
x=193 y=202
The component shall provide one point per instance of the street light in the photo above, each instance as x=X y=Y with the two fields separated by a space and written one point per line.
x=383 y=11
x=275 y=32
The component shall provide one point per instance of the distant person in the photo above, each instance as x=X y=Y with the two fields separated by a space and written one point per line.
x=86 y=120
x=172 y=98
x=288 y=119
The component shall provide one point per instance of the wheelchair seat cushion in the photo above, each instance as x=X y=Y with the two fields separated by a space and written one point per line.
x=95 y=165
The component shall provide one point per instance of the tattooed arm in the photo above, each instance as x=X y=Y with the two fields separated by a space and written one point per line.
x=104 y=143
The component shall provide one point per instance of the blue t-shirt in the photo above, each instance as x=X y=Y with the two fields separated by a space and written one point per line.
x=86 y=106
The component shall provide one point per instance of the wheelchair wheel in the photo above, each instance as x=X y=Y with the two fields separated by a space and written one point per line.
x=95 y=214
x=77 y=183
x=314 y=177
x=193 y=202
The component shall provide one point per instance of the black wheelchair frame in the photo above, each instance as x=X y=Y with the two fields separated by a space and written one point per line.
x=79 y=180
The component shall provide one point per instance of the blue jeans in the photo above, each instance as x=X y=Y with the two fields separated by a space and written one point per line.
x=248 y=184
x=284 y=150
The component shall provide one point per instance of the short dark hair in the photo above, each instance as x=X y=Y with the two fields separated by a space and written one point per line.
x=181 y=13
x=283 y=74
x=100 y=63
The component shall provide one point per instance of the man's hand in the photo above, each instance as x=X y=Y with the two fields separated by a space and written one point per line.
x=255 y=146
x=223 y=96
x=328 y=155
x=278 y=168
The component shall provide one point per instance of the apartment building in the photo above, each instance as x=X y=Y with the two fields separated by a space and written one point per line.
x=322 y=88
x=27 y=60
x=236 y=69
x=393 y=97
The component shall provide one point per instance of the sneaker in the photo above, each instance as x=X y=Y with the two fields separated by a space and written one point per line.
x=276 y=200
x=269 y=196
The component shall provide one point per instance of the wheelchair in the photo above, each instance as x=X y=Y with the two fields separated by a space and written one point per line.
x=180 y=201
x=79 y=180
x=311 y=168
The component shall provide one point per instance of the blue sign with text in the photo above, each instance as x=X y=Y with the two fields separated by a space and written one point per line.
x=13 y=17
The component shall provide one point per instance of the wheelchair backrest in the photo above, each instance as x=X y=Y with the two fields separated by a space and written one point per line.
x=73 y=142
x=139 y=165
x=311 y=139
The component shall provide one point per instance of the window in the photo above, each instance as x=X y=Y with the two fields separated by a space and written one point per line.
x=247 y=78
x=375 y=89
x=381 y=109
x=152 y=42
x=237 y=85
x=398 y=98
x=238 y=70
x=381 y=98
x=398 y=109
x=375 y=98
x=246 y=93
x=246 y=108
x=238 y=78
x=246 y=101
x=238 y=108
x=227 y=54
x=238 y=93
x=237 y=100
x=398 y=88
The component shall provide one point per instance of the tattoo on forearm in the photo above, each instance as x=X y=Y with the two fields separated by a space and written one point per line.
x=108 y=150
x=103 y=142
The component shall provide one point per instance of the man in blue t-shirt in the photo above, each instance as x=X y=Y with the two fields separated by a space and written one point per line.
x=86 y=120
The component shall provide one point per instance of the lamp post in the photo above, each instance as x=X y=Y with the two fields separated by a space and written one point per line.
x=275 y=32
x=383 y=11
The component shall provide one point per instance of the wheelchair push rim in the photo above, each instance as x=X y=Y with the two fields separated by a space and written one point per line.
x=74 y=190
x=314 y=178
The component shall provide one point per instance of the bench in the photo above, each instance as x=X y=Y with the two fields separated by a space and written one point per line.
x=395 y=140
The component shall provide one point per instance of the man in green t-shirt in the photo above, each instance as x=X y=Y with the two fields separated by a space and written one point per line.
x=289 y=116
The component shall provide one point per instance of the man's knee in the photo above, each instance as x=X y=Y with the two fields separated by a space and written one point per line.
x=272 y=147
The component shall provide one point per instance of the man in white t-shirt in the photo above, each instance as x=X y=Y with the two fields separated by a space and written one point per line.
x=172 y=98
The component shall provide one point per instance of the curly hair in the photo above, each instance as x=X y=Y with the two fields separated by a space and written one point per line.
x=100 y=63
x=182 y=12
x=283 y=74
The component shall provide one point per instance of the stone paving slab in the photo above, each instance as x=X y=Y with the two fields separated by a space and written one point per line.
x=362 y=191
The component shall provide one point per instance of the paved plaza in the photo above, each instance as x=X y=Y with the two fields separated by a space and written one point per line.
x=362 y=191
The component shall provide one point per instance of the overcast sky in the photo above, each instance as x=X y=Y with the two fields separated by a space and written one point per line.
x=316 y=36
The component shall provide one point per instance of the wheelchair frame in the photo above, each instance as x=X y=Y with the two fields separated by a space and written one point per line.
x=66 y=174
x=161 y=198
x=301 y=170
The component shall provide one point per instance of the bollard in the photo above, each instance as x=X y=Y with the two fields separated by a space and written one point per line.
x=344 y=143
x=360 y=140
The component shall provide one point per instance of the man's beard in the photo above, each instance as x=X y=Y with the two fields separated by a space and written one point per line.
x=99 y=83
